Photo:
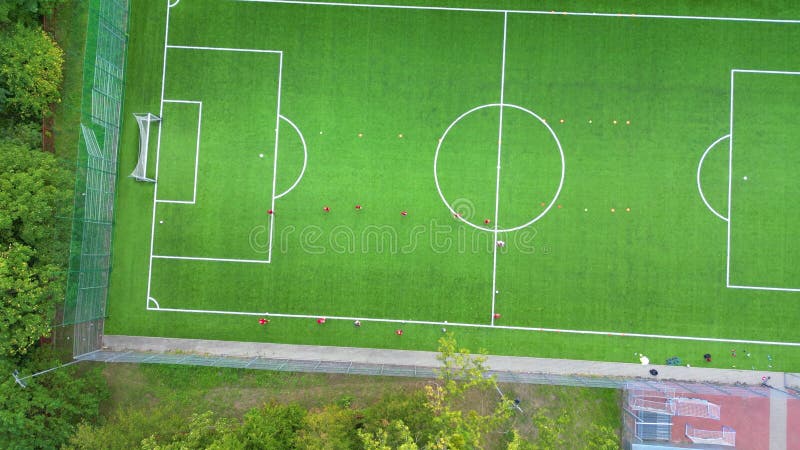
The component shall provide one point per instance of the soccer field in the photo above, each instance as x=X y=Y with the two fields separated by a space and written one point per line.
x=580 y=183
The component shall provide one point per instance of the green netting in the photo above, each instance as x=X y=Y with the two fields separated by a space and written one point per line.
x=96 y=172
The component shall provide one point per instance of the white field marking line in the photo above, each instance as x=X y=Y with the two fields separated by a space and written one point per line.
x=275 y=162
x=198 y=258
x=181 y=202
x=730 y=181
x=173 y=4
x=765 y=288
x=197 y=151
x=151 y=299
x=305 y=157
x=772 y=72
x=485 y=326
x=436 y=164
x=730 y=189
x=517 y=11
x=700 y=168
x=499 y=152
x=158 y=153
x=225 y=49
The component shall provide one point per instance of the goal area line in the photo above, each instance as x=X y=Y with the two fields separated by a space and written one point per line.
x=473 y=325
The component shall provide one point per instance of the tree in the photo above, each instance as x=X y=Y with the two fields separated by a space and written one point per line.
x=462 y=373
x=26 y=10
x=30 y=71
x=202 y=433
x=272 y=426
x=26 y=294
x=396 y=436
x=45 y=413
x=452 y=422
x=127 y=427
x=601 y=437
x=330 y=428
x=33 y=189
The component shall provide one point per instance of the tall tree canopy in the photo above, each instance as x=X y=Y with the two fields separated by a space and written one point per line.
x=31 y=65
x=27 y=11
x=45 y=413
x=34 y=189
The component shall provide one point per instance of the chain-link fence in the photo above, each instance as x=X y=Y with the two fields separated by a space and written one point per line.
x=792 y=382
x=96 y=172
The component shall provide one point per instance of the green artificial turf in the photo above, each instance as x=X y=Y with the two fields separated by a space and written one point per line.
x=627 y=245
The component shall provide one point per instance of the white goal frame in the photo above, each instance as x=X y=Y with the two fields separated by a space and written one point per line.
x=144 y=120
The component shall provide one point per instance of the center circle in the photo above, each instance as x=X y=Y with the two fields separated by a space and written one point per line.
x=499 y=148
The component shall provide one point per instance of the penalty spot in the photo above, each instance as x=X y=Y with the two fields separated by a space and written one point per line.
x=160 y=221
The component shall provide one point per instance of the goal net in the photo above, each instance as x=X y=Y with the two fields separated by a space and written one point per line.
x=144 y=121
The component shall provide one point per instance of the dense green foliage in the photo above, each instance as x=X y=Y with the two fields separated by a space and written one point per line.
x=30 y=72
x=34 y=189
x=26 y=11
x=45 y=413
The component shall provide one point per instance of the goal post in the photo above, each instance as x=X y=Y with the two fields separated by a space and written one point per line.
x=143 y=120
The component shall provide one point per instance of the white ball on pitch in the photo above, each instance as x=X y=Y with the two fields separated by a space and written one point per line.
x=745 y=178
x=160 y=221
x=260 y=155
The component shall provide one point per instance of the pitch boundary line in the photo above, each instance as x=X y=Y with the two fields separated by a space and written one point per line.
x=158 y=151
x=699 y=186
x=486 y=326
x=533 y=12
x=197 y=151
x=305 y=158
x=499 y=154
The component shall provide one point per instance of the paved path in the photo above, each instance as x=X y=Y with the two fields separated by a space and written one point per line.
x=428 y=359
x=777 y=415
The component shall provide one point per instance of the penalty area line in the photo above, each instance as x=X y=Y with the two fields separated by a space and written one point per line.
x=764 y=288
x=485 y=326
x=197 y=258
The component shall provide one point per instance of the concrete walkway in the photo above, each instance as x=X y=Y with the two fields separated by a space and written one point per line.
x=777 y=415
x=548 y=366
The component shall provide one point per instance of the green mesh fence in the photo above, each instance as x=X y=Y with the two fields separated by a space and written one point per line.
x=96 y=173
